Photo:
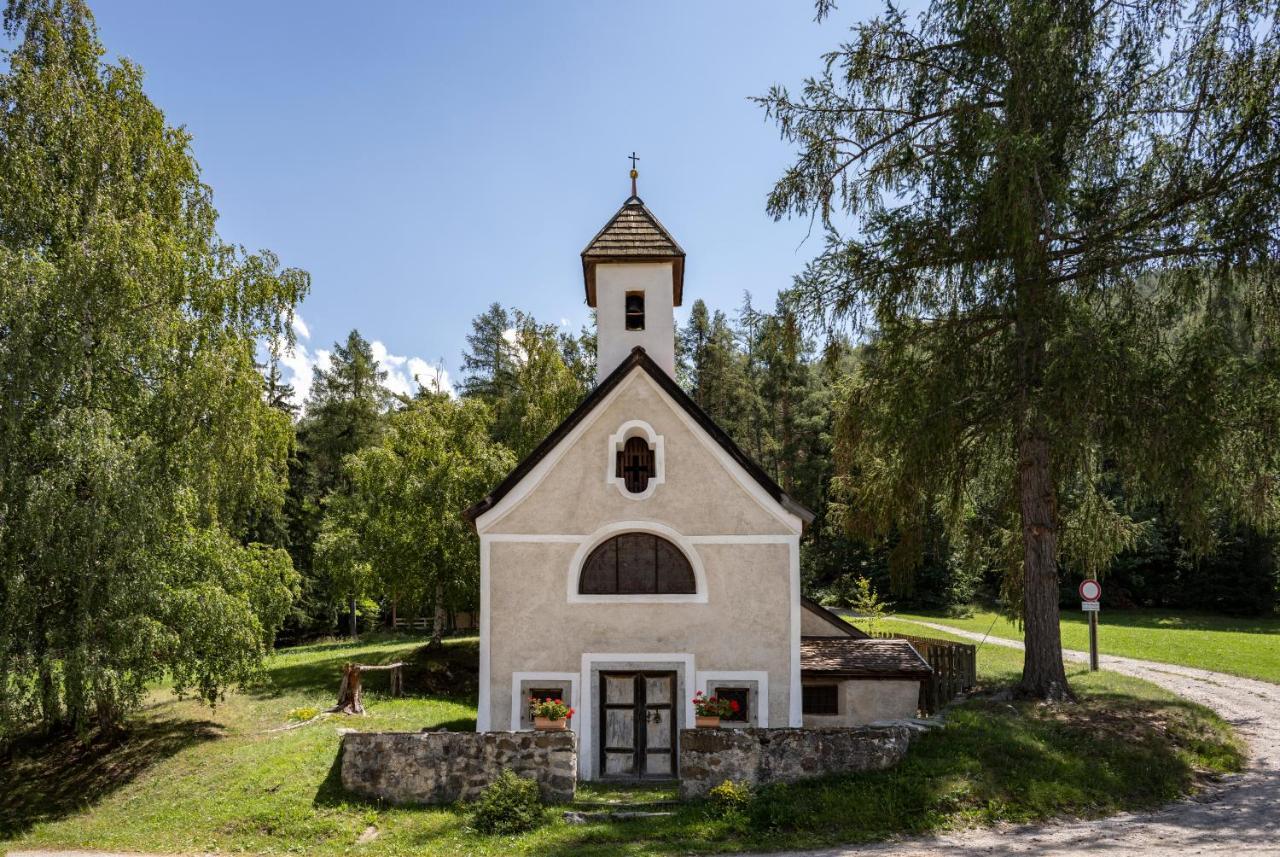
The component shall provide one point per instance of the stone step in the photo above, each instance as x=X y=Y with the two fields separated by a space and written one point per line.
x=623 y=804
x=577 y=817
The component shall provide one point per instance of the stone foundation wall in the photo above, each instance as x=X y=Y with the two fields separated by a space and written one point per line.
x=444 y=767
x=708 y=757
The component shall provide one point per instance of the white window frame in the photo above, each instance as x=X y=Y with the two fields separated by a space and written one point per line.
x=698 y=596
x=517 y=698
x=626 y=431
x=706 y=678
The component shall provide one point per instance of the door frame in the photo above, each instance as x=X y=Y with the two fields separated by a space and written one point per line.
x=640 y=738
x=682 y=663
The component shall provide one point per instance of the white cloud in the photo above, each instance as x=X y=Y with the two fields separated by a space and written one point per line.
x=430 y=377
x=301 y=364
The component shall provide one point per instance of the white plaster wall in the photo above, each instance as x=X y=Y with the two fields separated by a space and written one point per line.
x=699 y=496
x=613 y=281
x=865 y=701
x=812 y=625
x=744 y=625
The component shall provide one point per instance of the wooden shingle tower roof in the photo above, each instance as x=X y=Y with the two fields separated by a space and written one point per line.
x=633 y=235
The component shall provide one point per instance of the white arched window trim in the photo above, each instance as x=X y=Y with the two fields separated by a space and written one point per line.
x=699 y=596
x=626 y=431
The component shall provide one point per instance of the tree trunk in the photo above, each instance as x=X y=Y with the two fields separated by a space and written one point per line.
x=1043 y=675
x=353 y=618
x=438 y=621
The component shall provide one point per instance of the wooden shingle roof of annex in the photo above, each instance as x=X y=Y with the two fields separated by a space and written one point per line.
x=850 y=657
x=638 y=359
x=633 y=235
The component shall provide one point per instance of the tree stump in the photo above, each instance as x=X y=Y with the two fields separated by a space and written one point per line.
x=350 y=700
x=349 y=696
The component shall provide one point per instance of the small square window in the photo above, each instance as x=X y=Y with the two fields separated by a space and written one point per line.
x=739 y=695
x=820 y=699
x=540 y=693
x=635 y=310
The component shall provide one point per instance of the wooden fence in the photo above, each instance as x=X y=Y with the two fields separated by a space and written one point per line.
x=955 y=668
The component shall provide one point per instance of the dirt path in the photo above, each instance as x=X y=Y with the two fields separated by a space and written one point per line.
x=1241 y=815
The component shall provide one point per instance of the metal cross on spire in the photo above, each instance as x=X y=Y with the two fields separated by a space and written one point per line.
x=633 y=157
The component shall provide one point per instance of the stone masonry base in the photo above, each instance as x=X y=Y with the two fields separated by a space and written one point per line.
x=444 y=767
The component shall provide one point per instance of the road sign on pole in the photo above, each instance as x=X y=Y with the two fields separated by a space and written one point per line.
x=1090 y=592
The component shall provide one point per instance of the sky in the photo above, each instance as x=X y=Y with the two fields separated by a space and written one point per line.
x=424 y=160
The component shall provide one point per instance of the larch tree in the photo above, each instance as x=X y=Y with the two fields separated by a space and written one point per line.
x=1056 y=225
x=135 y=439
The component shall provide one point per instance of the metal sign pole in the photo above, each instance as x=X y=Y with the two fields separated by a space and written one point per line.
x=1093 y=641
x=1090 y=594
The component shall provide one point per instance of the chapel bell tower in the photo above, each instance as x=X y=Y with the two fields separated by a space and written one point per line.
x=634 y=274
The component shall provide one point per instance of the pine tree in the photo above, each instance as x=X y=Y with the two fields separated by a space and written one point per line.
x=487 y=362
x=344 y=414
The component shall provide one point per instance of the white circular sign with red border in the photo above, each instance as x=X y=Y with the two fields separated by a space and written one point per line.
x=1090 y=590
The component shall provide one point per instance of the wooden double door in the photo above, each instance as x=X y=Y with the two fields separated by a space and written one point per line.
x=637 y=725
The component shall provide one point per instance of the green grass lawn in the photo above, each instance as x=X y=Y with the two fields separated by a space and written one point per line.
x=189 y=779
x=1243 y=647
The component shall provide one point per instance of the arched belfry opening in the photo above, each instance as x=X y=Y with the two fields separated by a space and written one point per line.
x=636 y=465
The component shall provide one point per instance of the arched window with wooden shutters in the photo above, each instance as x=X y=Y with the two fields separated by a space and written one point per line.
x=635 y=464
x=637 y=564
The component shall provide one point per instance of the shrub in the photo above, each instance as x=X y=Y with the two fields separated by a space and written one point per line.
x=303 y=713
x=729 y=799
x=510 y=804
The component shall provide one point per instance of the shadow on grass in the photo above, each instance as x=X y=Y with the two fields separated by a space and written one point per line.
x=48 y=778
x=323 y=675
x=458 y=658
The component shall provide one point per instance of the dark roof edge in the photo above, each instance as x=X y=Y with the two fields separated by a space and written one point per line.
x=849 y=629
x=920 y=675
x=637 y=358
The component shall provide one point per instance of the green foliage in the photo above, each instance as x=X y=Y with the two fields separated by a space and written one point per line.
x=510 y=804
x=859 y=594
x=1055 y=225
x=345 y=410
x=531 y=375
x=137 y=447
x=729 y=799
x=395 y=528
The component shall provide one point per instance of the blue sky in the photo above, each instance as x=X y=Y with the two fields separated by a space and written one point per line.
x=423 y=160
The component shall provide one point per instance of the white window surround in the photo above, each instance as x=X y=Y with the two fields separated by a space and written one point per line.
x=608 y=531
x=586 y=738
x=760 y=677
x=626 y=431
x=517 y=697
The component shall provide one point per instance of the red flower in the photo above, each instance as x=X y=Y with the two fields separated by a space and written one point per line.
x=733 y=703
